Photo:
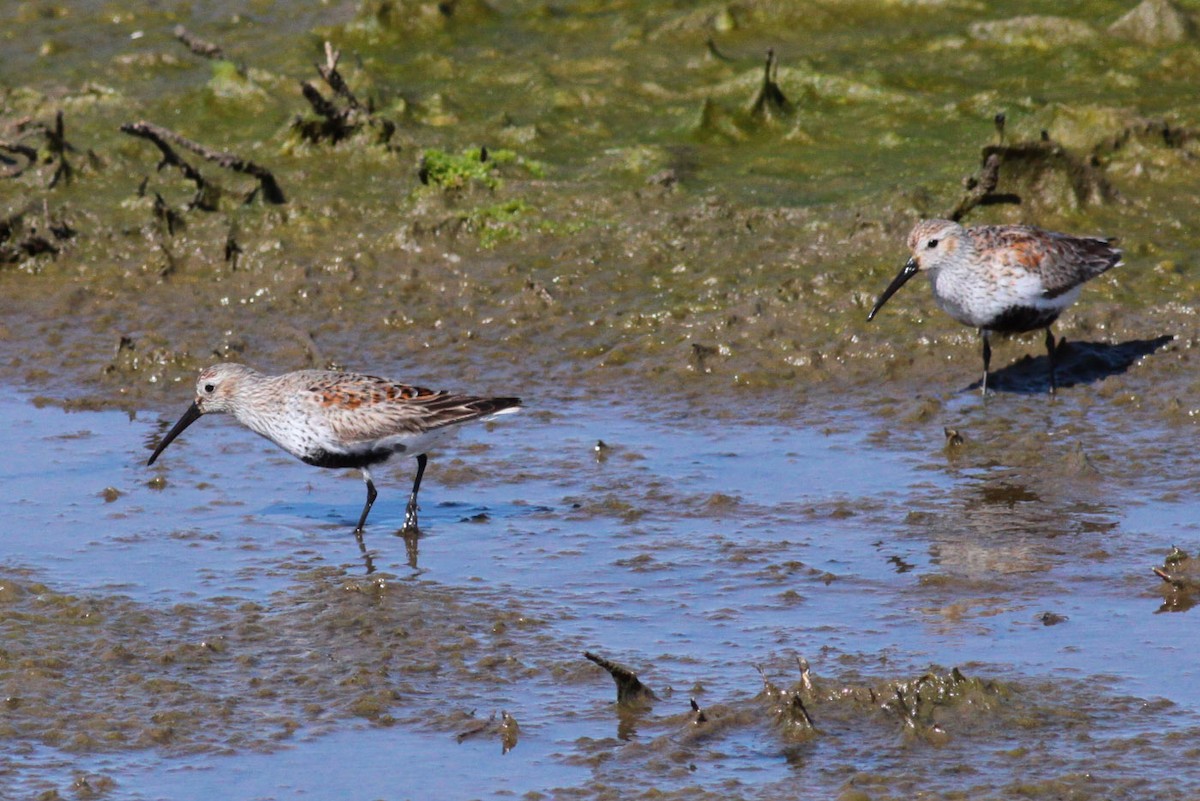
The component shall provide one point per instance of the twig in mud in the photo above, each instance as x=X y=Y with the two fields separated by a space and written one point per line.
x=910 y=721
x=230 y=161
x=788 y=706
x=770 y=101
x=798 y=706
x=206 y=49
x=338 y=122
x=197 y=45
x=711 y=47
x=477 y=727
x=1165 y=576
x=206 y=195
x=805 y=674
x=980 y=187
x=56 y=144
x=323 y=107
x=630 y=689
x=334 y=78
x=56 y=140
x=1086 y=180
x=11 y=167
x=172 y=219
x=769 y=688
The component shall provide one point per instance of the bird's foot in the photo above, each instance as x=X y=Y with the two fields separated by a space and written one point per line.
x=410 y=520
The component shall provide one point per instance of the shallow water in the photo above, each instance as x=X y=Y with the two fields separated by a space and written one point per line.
x=691 y=550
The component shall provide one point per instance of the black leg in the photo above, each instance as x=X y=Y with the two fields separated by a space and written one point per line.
x=1051 y=346
x=371 y=495
x=410 y=514
x=987 y=358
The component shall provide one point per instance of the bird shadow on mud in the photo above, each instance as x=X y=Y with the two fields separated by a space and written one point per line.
x=1075 y=363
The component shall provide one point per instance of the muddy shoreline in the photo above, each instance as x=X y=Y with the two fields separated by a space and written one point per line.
x=660 y=238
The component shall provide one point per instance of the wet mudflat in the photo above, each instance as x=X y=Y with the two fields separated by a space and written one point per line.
x=225 y=631
x=658 y=250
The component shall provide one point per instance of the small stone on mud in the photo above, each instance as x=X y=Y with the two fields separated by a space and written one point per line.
x=791 y=597
x=1079 y=463
x=1154 y=23
x=665 y=178
x=110 y=494
x=719 y=500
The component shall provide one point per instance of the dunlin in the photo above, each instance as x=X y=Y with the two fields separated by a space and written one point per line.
x=333 y=419
x=1006 y=279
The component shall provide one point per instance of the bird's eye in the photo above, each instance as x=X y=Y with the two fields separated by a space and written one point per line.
x=931 y=244
x=209 y=387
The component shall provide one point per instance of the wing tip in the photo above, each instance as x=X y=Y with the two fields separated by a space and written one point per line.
x=506 y=405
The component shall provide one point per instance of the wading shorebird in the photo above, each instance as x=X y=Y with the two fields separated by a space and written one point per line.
x=1005 y=279
x=340 y=420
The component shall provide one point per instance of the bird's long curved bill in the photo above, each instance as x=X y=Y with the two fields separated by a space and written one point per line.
x=906 y=272
x=190 y=416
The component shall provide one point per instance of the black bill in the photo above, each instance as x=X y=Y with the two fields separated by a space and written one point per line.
x=906 y=272
x=190 y=416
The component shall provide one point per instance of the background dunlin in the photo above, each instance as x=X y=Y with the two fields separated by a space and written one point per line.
x=1006 y=279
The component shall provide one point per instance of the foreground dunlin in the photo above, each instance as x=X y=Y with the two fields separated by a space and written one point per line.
x=1006 y=279
x=333 y=419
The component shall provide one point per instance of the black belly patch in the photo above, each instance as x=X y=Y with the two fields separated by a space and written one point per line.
x=323 y=458
x=1018 y=319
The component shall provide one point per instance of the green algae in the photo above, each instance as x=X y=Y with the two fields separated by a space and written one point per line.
x=824 y=205
x=474 y=165
x=456 y=170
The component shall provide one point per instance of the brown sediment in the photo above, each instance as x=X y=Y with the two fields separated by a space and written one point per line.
x=106 y=674
x=20 y=238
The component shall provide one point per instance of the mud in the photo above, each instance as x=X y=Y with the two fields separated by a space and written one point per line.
x=613 y=211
